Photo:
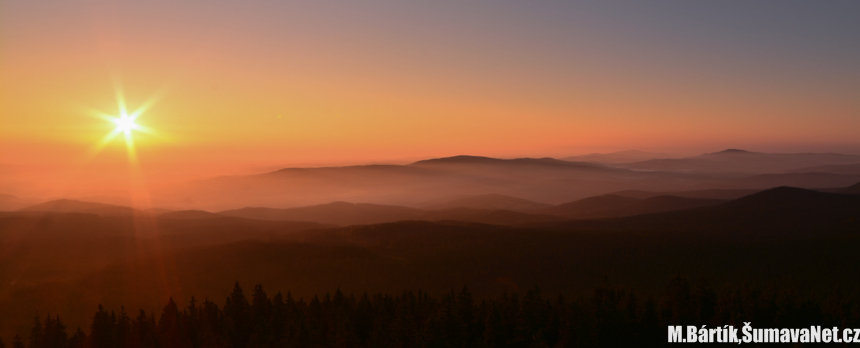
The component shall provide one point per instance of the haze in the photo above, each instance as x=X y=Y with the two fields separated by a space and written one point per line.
x=255 y=87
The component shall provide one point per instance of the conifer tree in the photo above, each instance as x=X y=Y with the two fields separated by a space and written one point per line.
x=261 y=314
x=170 y=326
x=191 y=323
x=78 y=340
x=102 y=330
x=676 y=308
x=17 y=343
x=54 y=333
x=143 y=331
x=122 y=329
x=237 y=318
x=37 y=334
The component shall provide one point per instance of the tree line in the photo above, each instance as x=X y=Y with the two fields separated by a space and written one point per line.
x=609 y=317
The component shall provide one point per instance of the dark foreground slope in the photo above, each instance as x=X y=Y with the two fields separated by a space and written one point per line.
x=778 y=238
x=607 y=317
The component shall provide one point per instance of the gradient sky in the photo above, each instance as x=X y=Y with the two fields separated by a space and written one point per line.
x=254 y=85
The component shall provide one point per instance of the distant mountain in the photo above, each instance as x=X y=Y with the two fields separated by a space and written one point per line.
x=616 y=206
x=781 y=212
x=9 y=203
x=343 y=213
x=484 y=216
x=591 y=206
x=488 y=202
x=544 y=180
x=833 y=169
x=617 y=157
x=853 y=189
x=850 y=190
x=536 y=179
x=338 y=213
x=743 y=162
x=725 y=194
x=478 y=161
x=73 y=206
x=785 y=197
x=188 y=214
x=803 y=180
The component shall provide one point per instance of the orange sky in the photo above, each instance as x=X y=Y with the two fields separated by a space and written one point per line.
x=253 y=86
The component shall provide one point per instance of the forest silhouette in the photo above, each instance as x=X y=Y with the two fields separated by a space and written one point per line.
x=607 y=317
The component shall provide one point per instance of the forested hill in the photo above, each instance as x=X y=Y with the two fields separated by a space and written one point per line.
x=608 y=317
x=66 y=264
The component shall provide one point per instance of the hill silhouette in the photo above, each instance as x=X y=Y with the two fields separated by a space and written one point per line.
x=852 y=190
x=590 y=205
x=741 y=161
x=796 y=200
x=485 y=216
x=783 y=212
x=344 y=214
x=805 y=180
x=545 y=180
x=783 y=237
x=541 y=180
x=489 y=202
x=339 y=213
x=517 y=162
x=188 y=214
x=74 y=206
x=731 y=152
x=833 y=169
x=9 y=203
x=726 y=194
x=615 y=205
x=617 y=157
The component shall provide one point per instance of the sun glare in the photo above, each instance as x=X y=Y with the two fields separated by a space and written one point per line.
x=125 y=123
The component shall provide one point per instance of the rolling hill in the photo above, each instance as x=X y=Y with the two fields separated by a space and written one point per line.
x=615 y=206
x=743 y=162
x=74 y=206
x=339 y=213
x=489 y=202
x=544 y=180
x=618 y=157
x=853 y=168
x=783 y=237
x=9 y=203
x=540 y=180
x=851 y=190
x=726 y=194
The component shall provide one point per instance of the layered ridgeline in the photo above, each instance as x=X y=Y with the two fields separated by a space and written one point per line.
x=606 y=317
x=424 y=184
x=67 y=263
x=488 y=209
x=745 y=162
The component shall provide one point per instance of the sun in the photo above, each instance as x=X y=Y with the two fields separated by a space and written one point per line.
x=125 y=124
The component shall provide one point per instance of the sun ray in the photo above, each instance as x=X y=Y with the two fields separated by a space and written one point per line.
x=130 y=150
x=148 y=103
x=125 y=122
